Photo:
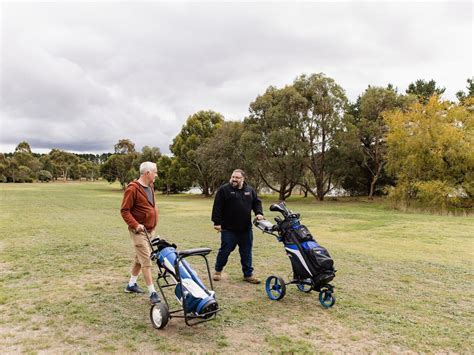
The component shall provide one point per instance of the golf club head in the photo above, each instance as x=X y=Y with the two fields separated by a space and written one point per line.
x=280 y=207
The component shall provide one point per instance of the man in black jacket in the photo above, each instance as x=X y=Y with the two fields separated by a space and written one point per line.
x=231 y=215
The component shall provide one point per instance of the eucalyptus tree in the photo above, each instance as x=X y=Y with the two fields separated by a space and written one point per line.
x=124 y=146
x=62 y=163
x=4 y=164
x=152 y=154
x=324 y=103
x=23 y=147
x=273 y=138
x=119 y=166
x=224 y=152
x=148 y=153
x=172 y=177
x=24 y=157
x=47 y=164
x=197 y=130
x=371 y=130
x=88 y=170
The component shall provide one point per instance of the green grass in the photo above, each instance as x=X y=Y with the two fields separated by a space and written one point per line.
x=404 y=280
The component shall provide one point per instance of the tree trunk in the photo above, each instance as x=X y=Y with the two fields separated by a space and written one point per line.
x=281 y=196
x=374 y=182
x=305 y=192
x=320 y=187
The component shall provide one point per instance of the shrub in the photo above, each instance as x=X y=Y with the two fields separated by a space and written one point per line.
x=45 y=175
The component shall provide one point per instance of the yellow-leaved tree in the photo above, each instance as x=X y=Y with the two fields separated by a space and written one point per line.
x=430 y=152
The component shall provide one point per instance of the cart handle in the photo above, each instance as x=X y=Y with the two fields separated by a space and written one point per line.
x=197 y=251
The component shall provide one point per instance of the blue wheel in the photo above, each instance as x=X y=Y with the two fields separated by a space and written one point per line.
x=304 y=286
x=275 y=287
x=326 y=298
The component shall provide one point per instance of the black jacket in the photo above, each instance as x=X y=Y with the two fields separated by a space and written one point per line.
x=232 y=207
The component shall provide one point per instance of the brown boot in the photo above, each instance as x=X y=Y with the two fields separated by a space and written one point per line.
x=252 y=279
x=217 y=276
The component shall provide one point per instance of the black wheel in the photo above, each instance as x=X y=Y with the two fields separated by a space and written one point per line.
x=326 y=298
x=159 y=315
x=275 y=288
x=305 y=286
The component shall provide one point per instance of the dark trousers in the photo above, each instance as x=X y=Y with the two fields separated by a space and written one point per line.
x=229 y=240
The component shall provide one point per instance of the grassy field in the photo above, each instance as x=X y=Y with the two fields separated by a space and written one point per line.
x=404 y=280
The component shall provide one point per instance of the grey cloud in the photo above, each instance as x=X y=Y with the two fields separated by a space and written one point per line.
x=80 y=76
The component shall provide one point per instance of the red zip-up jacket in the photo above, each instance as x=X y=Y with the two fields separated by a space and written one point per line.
x=136 y=209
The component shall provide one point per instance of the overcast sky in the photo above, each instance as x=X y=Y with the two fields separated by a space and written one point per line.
x=81 y=76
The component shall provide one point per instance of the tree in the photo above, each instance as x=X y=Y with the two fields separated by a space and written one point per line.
x=371 y=130
x=45 y=175
x=47 y=164
x=423 y=90
x=171 y=177
x=119 y=166
x=164 y=181
x=103 y=157
x=430 y=151
x=198 y=129
x=24 y=174
x=273 y=138
x=11 y=170
x=152 y=154
x=24 y=157
x=124 y=146
x=4 y=164
x=88 y=170
x=223 y=153
x=62 y=162
x=23 y=147
x=462 y=96
x=325 y=103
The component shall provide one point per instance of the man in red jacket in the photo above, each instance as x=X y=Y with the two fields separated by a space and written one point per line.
x=139 y=212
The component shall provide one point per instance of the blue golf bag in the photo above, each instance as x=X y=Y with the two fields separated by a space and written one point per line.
x=197 y=299
x=198 y=303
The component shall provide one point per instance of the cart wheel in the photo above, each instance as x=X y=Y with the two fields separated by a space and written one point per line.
x=304 y=287
x=159 y=315
x=275 y=287
x=326 y=298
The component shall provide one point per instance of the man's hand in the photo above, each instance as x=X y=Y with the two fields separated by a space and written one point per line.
x=140 y=228
x=218 y=228
x=259 y=217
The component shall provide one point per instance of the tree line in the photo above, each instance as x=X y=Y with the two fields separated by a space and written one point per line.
x=413 y=146
x=25 y=166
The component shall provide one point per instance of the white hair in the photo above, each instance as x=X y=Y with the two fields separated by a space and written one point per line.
x=147 y=166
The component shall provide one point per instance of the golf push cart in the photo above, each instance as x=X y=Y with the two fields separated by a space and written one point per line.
x=312 y=265
x=198 y=304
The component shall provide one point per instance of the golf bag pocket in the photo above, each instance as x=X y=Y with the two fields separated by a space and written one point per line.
x=299 y=233
x=319 y=256
x=300 y=268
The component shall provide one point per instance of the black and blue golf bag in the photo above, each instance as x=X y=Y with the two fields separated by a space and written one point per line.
x=313 y=267
x=309 y=260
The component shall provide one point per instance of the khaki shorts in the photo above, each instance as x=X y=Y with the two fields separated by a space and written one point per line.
x=142 y=247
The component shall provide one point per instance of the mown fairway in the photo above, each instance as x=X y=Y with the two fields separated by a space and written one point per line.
x=404 y=280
